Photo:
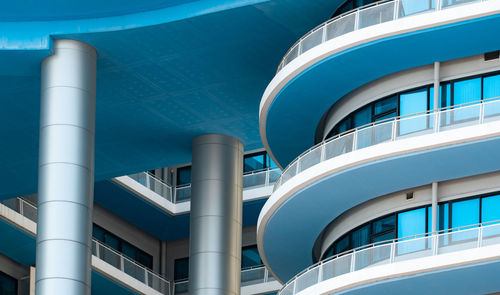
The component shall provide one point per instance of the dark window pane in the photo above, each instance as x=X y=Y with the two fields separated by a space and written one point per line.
x=137 y=255
x=361 y=237
x=443 y=216
x=250 y=257
x=386 y=223
x=384 y=237
x=342 y=245
x=184 y=175
x=362 y=117
x=254 y=162
x=8 y=285
x=385 y=105
x=344 y=125
x=490 y=208
x=181 y=269
x=98 y=233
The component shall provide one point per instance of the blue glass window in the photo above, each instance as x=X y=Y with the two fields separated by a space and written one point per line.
x=342 y=245
x=250 y=257
x=362 y=117
x=181 y=269
x=184 y=175
x=383 y=224
x=490 y=208
x=411 y=223
x=464 y=213
x=443 y=216
x=464 y=92
x=409 y=7
x=254 y=162
x=491 y=89
x=388 y=105
x=411 y=103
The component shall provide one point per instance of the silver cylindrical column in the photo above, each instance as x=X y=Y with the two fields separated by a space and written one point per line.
x=66 y=170
x=216 y=215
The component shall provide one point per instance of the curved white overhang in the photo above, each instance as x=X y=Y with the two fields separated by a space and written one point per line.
x=302 y=91
x=471 y=271
x=309 y=201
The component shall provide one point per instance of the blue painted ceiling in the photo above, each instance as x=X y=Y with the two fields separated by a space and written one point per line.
x=168 y=72
x=291 y=126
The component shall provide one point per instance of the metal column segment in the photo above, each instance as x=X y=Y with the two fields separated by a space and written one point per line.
x=437 y=66
x=434 y=207
x=66 y=169
x=216 y=215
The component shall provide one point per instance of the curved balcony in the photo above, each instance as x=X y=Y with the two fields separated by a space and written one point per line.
x=393 y=252
x=401 y=127
x=363 y=17
x=105 y=260
x=368 y=162
x=298 y=96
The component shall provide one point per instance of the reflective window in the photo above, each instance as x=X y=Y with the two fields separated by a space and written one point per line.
x=464 y=92
x=383 y=224
x=181 y=269
x=490 y=208
x=8 y=285
x=342 y=245
x=411 y=223
x=409 y=7
x=254 y=162
x=411 y=103
x=443 y=216
x=384 y=107
x=250 y=257
x=183 y=175
x=464 y=213
x=362 y=117
x=491 y=90
x=360 y=237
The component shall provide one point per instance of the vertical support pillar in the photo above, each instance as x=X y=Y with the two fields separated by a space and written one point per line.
x=437 y=66
x=434 y=207
x=216 y=215
x=66 y=170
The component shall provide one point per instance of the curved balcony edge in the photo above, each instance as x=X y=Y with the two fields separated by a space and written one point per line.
x=315 y=65
x=410 y=162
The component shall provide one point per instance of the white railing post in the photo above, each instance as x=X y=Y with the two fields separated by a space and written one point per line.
x=323 y=152
x=437 y=119
x=438 y=5
x=396 y=11
x=323 y=38
x=481 y=113
x=21 y=207
x=266 y=275
x=355 y=140
x=394 y=125
x=480 y=237
x=356 y=20
x=294 y=286
x=146 y=277
x=299 y=50
x=393 y=252
x=353 y=261
x=297 y=168
x=320 y=273
x=435 y=244
x=268 y=172
x=122 y=263
x=97 y=252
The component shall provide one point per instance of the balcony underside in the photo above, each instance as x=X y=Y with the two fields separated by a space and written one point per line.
x=308 y=202
x=324 y=74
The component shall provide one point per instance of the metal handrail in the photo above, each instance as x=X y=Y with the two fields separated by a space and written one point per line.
x=120 y=255
x=356 y=12
x=394 y=120
x=393 y=242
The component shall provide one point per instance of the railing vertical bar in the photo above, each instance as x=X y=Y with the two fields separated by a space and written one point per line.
x=355 y=140
x=356 y=20
x=393 y=251
x=266 y=275
x=394 y=125
x=353 y=261
x=480 y=237
x=481 y=113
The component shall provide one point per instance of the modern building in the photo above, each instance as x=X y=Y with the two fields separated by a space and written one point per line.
x=136 y=158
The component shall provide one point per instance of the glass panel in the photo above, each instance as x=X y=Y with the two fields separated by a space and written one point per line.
x=491 y=89
x=411 y=223
x=340 y=26
x=250 y=257
x=376 y=15
x=336 y=267
x=409 y=7
x=361 y=237
x=385 y=105
x=362 y=117
x=8 y=285
x=490 y=208
x=464 y=92
x=254 y=162
x=464 y=213
x=270 y=163
x=443 y=216
x=342 y=245
x=184 y=175
x=292 y=54
x=383 y=224
x=181 y=268
x=311 y=158
x=314 y=39
x=411 y=103
x=339 y=146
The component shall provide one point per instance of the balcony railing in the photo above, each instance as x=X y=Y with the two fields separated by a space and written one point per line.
x=249 y=276
x=103 y=252
x=393 y=129
x=362 y=17
x=387 y=252
x=251 y=180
